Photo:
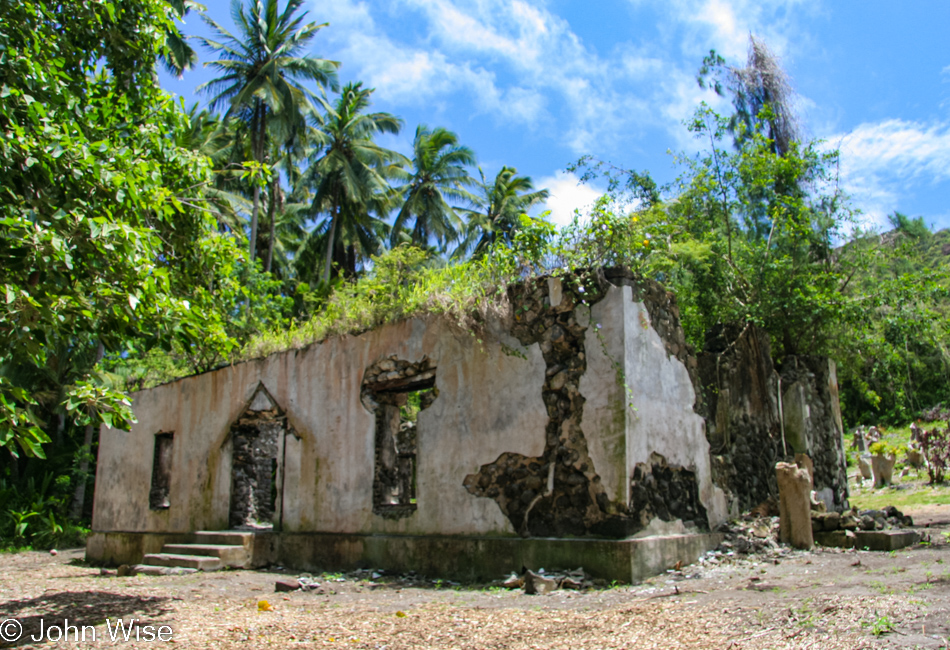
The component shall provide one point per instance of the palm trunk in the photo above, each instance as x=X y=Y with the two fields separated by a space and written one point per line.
x=259 y=124
x=272 y=219
x=329 y=261
x=254 y=212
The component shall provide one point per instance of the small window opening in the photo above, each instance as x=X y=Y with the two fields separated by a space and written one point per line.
x=397 y=391
x=161 y=472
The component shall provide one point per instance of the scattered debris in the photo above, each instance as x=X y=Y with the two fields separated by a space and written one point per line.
x=535 y=583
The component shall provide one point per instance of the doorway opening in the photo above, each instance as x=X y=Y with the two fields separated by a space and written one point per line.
x=257 y=447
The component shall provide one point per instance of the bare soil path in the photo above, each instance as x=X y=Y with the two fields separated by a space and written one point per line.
x=827 y=599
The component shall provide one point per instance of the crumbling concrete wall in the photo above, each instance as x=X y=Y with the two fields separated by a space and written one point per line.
x=749 y=429
x=619 y=395
x=741 y=408
x=490 y=402
x=812 y=418
x=582 y=416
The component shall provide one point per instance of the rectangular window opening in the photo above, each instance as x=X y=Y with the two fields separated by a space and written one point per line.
x=158 y=495
x=397 y=447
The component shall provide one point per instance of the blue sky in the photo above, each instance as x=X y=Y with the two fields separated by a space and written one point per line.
x=537 y=84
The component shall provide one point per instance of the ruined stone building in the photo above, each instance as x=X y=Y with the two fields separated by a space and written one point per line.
x=580 y=432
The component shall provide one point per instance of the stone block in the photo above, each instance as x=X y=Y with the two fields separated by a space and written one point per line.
x=885 y=540
x=837 y=539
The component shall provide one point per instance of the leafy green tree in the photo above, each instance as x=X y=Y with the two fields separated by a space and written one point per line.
x=101 y=241
x=350 y=182
x=438 y=175
x=499 y=205
x=262 y=70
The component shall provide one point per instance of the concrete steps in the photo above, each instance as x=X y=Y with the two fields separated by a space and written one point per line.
x=234 y=557
x=200 y=562
x=211 y=551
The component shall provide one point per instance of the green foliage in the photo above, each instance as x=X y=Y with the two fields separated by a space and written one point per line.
x=884 y=448
x=400 y=285
x=738 y=237
x=892 y=353
x=35 y=514
x=105 y=241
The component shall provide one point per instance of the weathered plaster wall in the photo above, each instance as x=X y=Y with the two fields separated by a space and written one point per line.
x=490 y=403
x=653 y=411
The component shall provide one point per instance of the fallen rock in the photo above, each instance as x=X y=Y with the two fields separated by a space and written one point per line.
x=825 y=521
x=287 y=584
x=124 y=570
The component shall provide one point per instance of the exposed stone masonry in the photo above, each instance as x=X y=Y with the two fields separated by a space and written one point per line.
x=670 y=493
x=741 y=411
x=255 y=439
x=812 y=380
x=745 y=425
x=560 y=493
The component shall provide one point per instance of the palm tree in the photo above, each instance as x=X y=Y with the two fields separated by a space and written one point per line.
x=262 y=72
x=350 y=178
x=498 y=210
x=438 y=172
x=178 y=55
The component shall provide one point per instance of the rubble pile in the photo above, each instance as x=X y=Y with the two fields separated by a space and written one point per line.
x=750 y=534
x=544 y=582
x=887 y=519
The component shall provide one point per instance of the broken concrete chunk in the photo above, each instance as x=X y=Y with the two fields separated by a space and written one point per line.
x=882 y=467
x=535 y=584
x=287 y=584
x=513 y=582
x=794 y=485
x=825 y=521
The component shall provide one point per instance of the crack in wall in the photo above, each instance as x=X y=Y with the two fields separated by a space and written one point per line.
x=559 y=493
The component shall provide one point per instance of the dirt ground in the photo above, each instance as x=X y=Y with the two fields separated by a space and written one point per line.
x=829 y=598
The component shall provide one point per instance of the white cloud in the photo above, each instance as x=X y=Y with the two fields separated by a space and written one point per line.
x=523 y=64
x=880 y=161
x=567 y=195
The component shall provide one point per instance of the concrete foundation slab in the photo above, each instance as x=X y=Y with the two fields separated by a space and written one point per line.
x=874 y=540
x=475 y=559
